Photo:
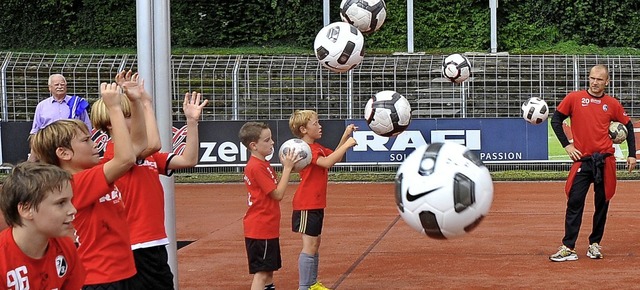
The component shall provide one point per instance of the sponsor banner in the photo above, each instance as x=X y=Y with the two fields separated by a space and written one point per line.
x=496 y=139
x=220 y=145
x=492 y=139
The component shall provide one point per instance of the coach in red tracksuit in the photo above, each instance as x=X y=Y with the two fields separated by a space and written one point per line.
x=591 y=112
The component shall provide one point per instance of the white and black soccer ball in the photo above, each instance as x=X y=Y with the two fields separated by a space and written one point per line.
x=443 y=190
x=339 y=46
x=366 y=15
x=456 y=68
x=617 y=132
x=388 y=113
x=535 y=110
x=301 y=148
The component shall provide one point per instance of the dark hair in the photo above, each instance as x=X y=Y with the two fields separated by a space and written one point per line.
x=250 y=132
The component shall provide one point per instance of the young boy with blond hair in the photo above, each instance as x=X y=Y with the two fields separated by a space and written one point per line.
x=310 y=198
x=101 y=227
x=141 y=189
x=261 y=223
x=36 y=251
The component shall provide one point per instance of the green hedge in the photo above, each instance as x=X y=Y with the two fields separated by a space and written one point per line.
x=522 y=24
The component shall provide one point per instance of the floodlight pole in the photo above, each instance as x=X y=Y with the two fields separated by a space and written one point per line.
x=410 y=26
x=493 y=5
x=325 y=13
x=154 y=66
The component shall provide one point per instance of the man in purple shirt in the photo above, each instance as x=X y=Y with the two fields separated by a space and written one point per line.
x=59 y=106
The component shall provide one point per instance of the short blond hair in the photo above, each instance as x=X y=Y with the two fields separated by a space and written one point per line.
x=100 y=115
x=300 y=118
x=56 y=135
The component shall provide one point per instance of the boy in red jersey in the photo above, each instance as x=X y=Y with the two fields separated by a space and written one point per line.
x=310 y=198
x=591 y=111
x=36 y=251
x=103 y=235
x=262 y=220
x=141 y=189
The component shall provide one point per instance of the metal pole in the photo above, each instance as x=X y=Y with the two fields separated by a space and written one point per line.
x=154 y=66
x=162 y=83
x=325 y=13
x=493 y=5
x=410 y=26
x=576 y=74
x=144 y=24
x=350 y=94
x=235 y=88
x=3 y=87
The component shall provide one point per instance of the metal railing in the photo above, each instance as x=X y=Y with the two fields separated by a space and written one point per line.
x=243 y=87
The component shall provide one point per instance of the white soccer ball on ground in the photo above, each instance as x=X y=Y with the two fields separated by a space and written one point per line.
x=456 y=68
x=617 y=132
x=535 y=110
x=301 y=148
x=443 y=190
x=366 y=15
x=388 y=113
x=339 y=46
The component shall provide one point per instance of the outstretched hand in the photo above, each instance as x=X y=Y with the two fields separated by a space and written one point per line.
x=192 y=107
x=110 y=93
x=132 y=84
x=350 y=129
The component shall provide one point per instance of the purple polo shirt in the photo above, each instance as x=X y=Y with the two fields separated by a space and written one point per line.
x=49 y=111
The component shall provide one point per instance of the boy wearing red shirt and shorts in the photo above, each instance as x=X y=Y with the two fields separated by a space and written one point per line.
x=310 y=198
x=141 y=189
x=101 y=227
x=262 y=220
x=36 y=251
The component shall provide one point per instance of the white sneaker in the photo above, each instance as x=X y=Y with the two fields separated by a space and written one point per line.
x=594 y=251
x=564 y=254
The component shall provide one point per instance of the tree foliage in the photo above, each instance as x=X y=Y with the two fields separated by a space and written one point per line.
x=69 y=24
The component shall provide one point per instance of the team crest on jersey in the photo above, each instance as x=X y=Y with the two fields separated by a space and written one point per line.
x=605 y=108
x=61 y=266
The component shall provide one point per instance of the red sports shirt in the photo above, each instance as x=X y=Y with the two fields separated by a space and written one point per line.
x=144 y=198
x=590 y=118
x=101 y=227
x=59 y=268
x=312 y=191
x=262 y=220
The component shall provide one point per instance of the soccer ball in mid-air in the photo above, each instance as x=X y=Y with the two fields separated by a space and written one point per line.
x=366 y=15
x=388 y=113
x=456 y=68
x=339 y=46
x=443 y=190
x=301 y=148
x=617 y=132
x=535 y=110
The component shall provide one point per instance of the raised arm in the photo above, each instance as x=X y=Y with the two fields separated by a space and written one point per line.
x=346 y=142
x=153 y=136
x=133 y=88
x=124 y=157
x=192 y=110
